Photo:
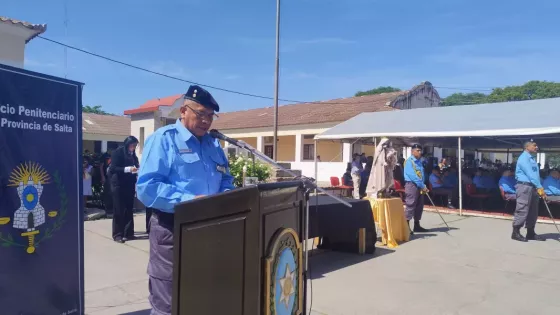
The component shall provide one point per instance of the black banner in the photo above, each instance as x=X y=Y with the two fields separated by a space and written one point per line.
x=41 y=216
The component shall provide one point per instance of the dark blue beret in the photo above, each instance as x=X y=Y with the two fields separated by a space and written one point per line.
x=202 y=97
x=417 y=146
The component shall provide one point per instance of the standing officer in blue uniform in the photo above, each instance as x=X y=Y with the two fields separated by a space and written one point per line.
x=527 y=190
x=180 y=162
x=414 y=187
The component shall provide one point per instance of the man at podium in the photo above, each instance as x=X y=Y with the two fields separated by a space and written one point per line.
x=180 y=162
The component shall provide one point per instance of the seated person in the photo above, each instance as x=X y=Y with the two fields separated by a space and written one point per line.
x=551 y=185
x=466 y=178
x=438 y=188
x=478 y=180
x=450 y=178
x=507 y=184
x=347 y=177
x=484 y=182
x=443 y=164
x=490 y=181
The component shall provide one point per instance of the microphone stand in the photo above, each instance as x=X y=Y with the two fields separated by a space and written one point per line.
x=309 y=184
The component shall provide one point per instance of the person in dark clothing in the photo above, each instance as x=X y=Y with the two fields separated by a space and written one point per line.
x=104 y=162
x=123 y=174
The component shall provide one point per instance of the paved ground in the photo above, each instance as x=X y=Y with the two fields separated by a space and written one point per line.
x=476 y=270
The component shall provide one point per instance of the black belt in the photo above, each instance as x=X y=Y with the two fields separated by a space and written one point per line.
x=526 y=183
x=164 y=218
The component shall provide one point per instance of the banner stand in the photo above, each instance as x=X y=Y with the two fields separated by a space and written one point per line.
x=41 y=194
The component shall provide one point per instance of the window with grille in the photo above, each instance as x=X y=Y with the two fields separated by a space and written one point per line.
x=309 y=152
x=269 y=151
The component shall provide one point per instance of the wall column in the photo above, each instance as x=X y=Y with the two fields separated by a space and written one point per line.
x=346 y=152
x=103 y=146
x=299 y=148
x=260 y=143
x=406 y=152
x=438 y=153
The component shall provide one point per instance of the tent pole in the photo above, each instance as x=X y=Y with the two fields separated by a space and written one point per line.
x=316 y=168
x=460 y=180
x=507 y=156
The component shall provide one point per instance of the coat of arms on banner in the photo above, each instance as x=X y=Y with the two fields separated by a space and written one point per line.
x=30 y=218
x=283 y=275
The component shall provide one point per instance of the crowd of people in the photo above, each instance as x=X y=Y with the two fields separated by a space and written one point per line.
x=495 y=179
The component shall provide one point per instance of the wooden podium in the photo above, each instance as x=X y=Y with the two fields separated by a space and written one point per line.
x=240 y=252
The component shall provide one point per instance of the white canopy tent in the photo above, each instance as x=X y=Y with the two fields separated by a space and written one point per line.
x=485 y=126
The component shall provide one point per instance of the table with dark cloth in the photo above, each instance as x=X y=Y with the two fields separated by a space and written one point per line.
x=340 y=227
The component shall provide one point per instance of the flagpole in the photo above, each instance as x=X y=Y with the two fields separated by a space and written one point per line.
x=276 y=83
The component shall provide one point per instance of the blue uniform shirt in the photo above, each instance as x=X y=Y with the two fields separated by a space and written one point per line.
x=478 y=181
x=435 y=181
x=177 y=166
x=507 y=183
x=357 y=167
x=551 y=186
x=451 y=180
x=527 y=170
x=414 y=171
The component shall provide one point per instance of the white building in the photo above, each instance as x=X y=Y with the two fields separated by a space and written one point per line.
x=297 y=125
x=14 y=35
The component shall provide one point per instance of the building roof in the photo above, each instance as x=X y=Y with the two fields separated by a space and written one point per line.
x=513 y=122
x=307 y=113
x=37 y=29
x=153 y=105
x=336 y=110
x=106 y=124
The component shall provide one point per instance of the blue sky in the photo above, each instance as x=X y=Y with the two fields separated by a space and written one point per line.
x=330 y=49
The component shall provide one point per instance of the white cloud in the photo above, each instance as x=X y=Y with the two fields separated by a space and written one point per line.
x=170 y=68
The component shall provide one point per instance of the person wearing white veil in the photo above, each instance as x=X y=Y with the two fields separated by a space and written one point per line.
x=384 y=161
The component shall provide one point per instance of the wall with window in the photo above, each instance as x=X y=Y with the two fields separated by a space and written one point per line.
x=286 y=148
x=329 y=151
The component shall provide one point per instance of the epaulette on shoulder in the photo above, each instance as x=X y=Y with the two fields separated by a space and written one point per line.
x=166 y=129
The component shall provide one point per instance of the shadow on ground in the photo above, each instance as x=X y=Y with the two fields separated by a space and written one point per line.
x=551 y=236
x=324 y=262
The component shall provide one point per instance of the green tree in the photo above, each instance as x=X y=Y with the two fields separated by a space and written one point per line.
x=464 y=99
x=379 y=90
x=532 y=90
x=94 y=110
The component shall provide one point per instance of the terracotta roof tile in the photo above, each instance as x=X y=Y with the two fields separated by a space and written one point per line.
x=337 y=110
x=153 y=105
x=307 y=113
x=106 y=124
x=38 y=28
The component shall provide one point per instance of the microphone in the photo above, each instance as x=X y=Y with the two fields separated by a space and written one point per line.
x=218 y=135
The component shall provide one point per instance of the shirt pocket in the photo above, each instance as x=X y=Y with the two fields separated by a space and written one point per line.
x=189 y=158
x=188 y=164
x=218 y=167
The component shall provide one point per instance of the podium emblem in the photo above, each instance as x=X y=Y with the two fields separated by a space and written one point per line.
x=29 y=180
x=283 y=275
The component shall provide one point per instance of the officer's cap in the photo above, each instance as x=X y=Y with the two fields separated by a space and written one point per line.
x=202 y=97
x=416 y=146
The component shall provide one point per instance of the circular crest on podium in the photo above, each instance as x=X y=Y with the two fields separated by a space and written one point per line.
x=283 y=275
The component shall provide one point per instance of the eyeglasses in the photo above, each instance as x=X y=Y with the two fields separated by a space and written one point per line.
x=203 y=115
